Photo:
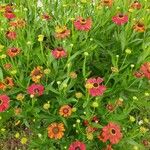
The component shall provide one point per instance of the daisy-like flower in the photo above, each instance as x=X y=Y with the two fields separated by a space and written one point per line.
x=9 y=8
x=35 y=89
x=145 y=69
x=13 y=51
x=83 y=24
x=46 y=17
x=37 y=74
x=77 y=145
x=112 y=133
x=136 y=5
x=59 y=53
x=7 y=66
x=139 y=27
x=56 y=130
x=61 y=32
x=18 y=23
x=94 y=87
x=9 y=15
x=120 y=19
x=107 y=2
x=65 y=111
x=9 y=82
x=11 y=35
x=4 y=102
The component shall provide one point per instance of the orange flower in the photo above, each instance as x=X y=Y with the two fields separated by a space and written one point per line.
x=37 y=74
x=17 y=111
x=56 y=130
x=9 y=82
x=62 y=32
x=2 y=86
x=107 y=2
x=65 y=111
x=19 y=23
x=139 y=27
x=12 y=52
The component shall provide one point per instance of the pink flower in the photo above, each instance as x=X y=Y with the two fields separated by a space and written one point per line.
x=59 y=53
x=4 y=102
x=120 y=19
x=83 y=24
x=145 y=69
x=94 y=87
x=111 y=132
x=77 y=145
x=36 y=89
x=11 y=35
x=10 y=15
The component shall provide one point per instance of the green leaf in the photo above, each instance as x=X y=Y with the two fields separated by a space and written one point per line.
x=1 y=74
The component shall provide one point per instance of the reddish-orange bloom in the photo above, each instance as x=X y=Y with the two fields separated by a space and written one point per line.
x=2 y=86
x=35 y=89
x=110 y=107
x=7 y=66
x=145 y=69
x=136 y=5
x=138 y=74
x=120 y=19
x=65 y=111
x=46 y=17
x=61 y=32
x=111 y=132
x=139 y=27
x=77 y=145
x=4 y=102
x=94 y=87
x=9 y=15
x=83 y=24
x=59 y=53
x=11 y=35
x=107 y=2
x=13 y=51
x=19 y=23
x=56 y=130
x=37 y=74
x=9 y=82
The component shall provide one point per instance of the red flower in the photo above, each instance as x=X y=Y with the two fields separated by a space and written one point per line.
x=4 y=102
x=136 y=5
x=8 y=8
x=46 y=17
x=36 y=89
x=138 y=74
x=13 y=51
x=59 y=53
x=7 y=66
x=112 y=133
x=94 y=87
x=11 y=35
x=145 y=69
x=77 y=145
x=120 y=19
x=83 y=24
x=9 y=15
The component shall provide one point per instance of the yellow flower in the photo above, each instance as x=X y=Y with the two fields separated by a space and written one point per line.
x=60 y=29
x=78 y=95
x=20 y=97
x=40 y=37
x=132 y=119
x=17 y=135
x=143 y=129
x=24 y=140
x=47 y=71
x=114 y=69
x=46 y=106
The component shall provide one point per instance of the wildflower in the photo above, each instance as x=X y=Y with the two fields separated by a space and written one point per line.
x=120 y=19
x=40 y=37
x=143 y=129
x=95 y=104
x=110 y=107
x=89 y=136
x=107 y=3
x=11 y=35
x=83 y=24
x=77 y=145
x=17 y=135
x=78 y=121
x=119 y=102
x=94 y=87
x=24 y=140
x=18 y=23
x=114 y=69
x=37 y=74
x=138 y=74
x=46 y=106
x=17 y=111
x=20 y=97
x=136 y=5
x=59 y=53
x=35 y=89
x=78 y=95
x=73 y=75
x=7 y=66
x=146 y=143
x=46 y=17
x=145 y=69
x=56 y=130
x=139 y=27
x=12 y=52
x=112 y=133
x=4 y=102
x=9 y=15
x=61 y=32
x=65 y=111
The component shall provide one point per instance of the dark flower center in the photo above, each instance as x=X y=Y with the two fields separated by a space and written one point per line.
x=106 y=1
x=65 y=110
x=55 y=130
x=140 y=25
x=121 y=15
x=36 y=91
x=7 y=81
x=95 y=84
x=36 y=72
x=83 y=21
x=113 y=131
x=77 y=148
x=60 y=49
x=14 y=50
